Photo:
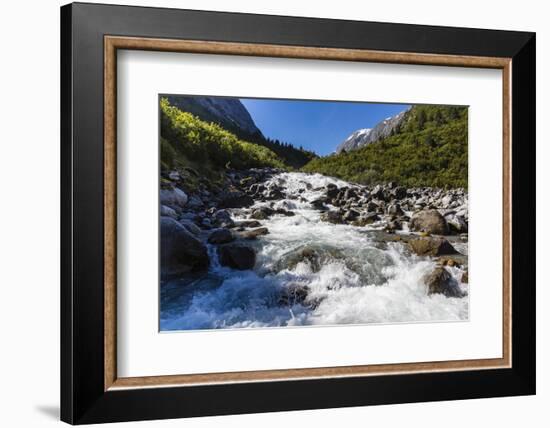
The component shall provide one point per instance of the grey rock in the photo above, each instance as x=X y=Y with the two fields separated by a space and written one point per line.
x=431 y=246
x=235 y=199
x=237 y=256
x=221 y=236
x=168 y=212
x=440 y=281
x=181 y=251
x=190 y=226
x=334 y=217
x=253 y=233
x=262 y=213
x=222 y=218
x=174 y=198
x=429 y=221
x=247 y=223
x=457 y=224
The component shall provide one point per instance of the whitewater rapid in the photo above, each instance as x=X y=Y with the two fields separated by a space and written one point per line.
x=360 y=279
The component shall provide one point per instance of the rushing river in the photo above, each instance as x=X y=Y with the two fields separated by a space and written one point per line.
x=355 y=278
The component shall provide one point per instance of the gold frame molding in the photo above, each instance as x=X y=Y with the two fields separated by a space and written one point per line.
x=113 y=43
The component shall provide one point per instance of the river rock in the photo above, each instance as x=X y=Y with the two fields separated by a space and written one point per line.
x=334 y=217
x=331 y=191
x=449 y=261
x=319 y=203
x=350 y=215
x=237 y=256
x=168 y=212
x=194 y=203
x=262 y=213
x=222 y=218
x=221 y=236
x=180 y=251
x=431 y=246
x=295 y=294
x=365 y=219
x=253 y=233
x=314 y=255
x=440 y=281
x=372 y=207
x=190 y=226
x=457 y=223
x=235 y=199
x=399 y=193
x=174 y=198
x=394 y=209
x=429 y=221
x=378 y=192
x=393 y=225
x=247 y=223
x=286 y=213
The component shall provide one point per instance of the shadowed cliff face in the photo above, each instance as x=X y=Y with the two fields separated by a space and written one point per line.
x=229 y=113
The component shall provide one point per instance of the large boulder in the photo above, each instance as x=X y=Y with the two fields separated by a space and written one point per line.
x=174 y=198
x=191 y=227
x=221 y=236
x=315 y=256
x=237 y=256
x=440 y=281
x=168 y=212
x=431 y=246
x=180 y=250
x=429 y=221
x=235 y=199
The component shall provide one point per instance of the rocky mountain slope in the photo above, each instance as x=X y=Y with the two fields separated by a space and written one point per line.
x=363 y=137
x=229 y=113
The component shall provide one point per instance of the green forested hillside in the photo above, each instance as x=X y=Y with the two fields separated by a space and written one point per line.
x=429 y=148
x=294 y=157
x=189 y=141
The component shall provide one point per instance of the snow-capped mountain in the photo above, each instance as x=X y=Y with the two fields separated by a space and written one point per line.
x=354 y=140
x=363 y=137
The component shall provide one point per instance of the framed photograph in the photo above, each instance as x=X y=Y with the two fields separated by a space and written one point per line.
x=266 y=213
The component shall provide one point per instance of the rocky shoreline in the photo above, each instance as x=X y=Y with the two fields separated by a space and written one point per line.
x=429 y=222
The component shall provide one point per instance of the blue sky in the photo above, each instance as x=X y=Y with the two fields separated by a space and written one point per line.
x=316 y=125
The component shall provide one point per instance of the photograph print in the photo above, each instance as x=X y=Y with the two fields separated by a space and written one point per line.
x=295 y=213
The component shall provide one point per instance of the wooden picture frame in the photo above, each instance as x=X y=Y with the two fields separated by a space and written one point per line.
x=91 y=390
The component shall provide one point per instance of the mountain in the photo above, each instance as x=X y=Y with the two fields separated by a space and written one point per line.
x=232 y=115
x=363 y=137
x=355 y=140
x=424 y=146
x=229 y=113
